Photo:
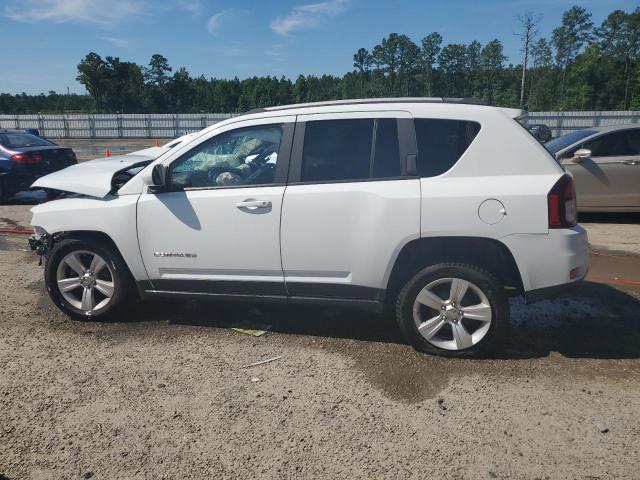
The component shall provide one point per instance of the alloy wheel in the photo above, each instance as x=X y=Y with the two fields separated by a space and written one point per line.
x=85 y=280
x=452 y=313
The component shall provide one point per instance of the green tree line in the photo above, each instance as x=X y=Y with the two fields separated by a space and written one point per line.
x=581 y=66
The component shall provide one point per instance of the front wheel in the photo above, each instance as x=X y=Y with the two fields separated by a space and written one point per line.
x=87 y=279
x=453 y=309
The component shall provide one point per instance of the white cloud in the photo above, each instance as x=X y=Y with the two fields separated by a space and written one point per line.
x=95 y=12
x=214 y=21
x=116 y=41
x=194 y=7
x=102 y=13
x=308 y=16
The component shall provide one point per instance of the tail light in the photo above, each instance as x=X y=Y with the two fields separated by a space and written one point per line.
x=72 y=156
x=27 y=158
x=561 y=202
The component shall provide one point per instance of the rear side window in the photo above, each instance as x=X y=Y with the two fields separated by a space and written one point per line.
x=441 y=143
x=354 y=149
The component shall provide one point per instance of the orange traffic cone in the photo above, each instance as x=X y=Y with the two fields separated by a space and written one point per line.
x=157 y=142
x=107 y=152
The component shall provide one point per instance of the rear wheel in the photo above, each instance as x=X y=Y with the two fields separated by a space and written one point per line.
x=87 y=279
x=453 y=309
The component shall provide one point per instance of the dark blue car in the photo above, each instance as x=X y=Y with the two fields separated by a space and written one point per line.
x=25 y=157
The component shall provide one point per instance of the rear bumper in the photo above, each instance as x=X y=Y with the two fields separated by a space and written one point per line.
x=552 y=262
x=547 y=293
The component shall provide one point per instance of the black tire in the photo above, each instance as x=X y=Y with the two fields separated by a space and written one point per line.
x=487 y=283
x=122 y=280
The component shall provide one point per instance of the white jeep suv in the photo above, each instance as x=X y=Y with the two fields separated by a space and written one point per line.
x=438 y=208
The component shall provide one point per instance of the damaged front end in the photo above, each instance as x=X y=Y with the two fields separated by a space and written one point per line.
x=41 y=243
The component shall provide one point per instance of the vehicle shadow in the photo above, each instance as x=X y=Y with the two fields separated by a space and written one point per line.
x=593 y=321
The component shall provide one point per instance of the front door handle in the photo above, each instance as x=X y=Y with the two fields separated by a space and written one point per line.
x=632 y=162
x=253 y=204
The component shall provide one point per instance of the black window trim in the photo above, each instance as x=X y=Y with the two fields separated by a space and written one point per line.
x=282 y=165
x=406 y=144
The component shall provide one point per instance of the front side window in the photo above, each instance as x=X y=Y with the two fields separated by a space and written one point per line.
x=247 y=156
x=354 y=149
x=613 y=144
x=441 y=143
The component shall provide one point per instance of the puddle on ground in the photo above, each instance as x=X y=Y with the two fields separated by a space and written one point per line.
x=400 y=372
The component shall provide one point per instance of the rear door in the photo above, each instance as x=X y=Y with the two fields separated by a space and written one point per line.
x=349 y=205
x=611 y=177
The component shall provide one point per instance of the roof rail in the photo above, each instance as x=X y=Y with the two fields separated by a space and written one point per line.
x=365 y=101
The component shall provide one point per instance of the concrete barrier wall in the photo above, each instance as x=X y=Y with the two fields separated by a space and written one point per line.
x=561 y=123
x=113 y=125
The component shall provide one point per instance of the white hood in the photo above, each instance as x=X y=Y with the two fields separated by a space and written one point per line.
x=91 y=178
x=153 y=152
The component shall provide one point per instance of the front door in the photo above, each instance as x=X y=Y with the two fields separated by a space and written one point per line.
x=611 y=177
x=217 y=228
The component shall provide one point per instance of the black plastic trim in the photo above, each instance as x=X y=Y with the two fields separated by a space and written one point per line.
x=357 y=292
x=222 y=287
x=309 y=293
x=408 y=146
x=369 y=305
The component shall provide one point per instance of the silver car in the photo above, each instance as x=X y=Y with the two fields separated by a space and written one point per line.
x=605 y=163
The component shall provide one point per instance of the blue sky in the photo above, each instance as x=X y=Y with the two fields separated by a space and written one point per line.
x=43 y=40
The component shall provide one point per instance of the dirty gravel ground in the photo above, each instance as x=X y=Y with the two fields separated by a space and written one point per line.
x=160 y=393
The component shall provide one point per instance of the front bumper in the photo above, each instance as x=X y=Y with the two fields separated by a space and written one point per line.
x=40 y=243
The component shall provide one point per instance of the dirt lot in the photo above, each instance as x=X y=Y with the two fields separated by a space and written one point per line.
x=161 y=393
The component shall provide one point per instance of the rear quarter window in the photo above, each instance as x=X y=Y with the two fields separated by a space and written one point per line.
x=441 y=143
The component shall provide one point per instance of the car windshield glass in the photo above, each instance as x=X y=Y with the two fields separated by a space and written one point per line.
x=559 y=143
x=20 y=140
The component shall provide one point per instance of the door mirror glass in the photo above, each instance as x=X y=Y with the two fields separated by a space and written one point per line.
x=158 y=175
x=581 y=155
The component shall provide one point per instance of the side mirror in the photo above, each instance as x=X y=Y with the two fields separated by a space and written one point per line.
x=158 y=177
x=580 y=155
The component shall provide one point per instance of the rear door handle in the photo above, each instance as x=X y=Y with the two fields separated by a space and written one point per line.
x=632 y=162
x=253 y=204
